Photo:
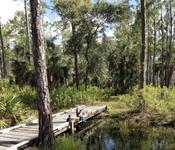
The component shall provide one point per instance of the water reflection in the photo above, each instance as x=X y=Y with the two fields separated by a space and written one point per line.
x=113 y=135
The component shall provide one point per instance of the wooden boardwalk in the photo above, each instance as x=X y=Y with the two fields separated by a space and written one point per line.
x=20 y=136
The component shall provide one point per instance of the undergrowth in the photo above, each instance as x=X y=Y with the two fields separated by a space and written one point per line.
x=159 y=107
x=68 y=143
x=69 y=96
x=19 y=103
x=13 y=107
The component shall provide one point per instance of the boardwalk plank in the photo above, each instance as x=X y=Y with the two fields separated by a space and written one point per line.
x=6 y=139
x=3 y=147
x=22 y=134
x=25 y=131
x=14 y=136
x=31 y=127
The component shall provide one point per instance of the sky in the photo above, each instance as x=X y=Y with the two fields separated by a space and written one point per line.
x=8 y=9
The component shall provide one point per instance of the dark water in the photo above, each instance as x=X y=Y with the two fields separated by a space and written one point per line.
x=126 y=135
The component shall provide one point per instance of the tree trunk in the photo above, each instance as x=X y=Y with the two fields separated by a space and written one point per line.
x=142 y=53
x=76 y=70
x=166 y=52
x=168 y=79
x=154 y=52
x=28 y=47
x=162 y=52
x=45 y=115
x=87 y=70
x=75 y=59
x=148 y=57
x=3 y=61
x=87 y=60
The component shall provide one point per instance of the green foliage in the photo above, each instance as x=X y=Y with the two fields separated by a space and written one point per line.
x=3 y=123
x=27 y=96
x=16 y=104
x=68 y=143
x=160 y=100
x=70 y=96
x=23 y=72
x=157 y=100
x=58 y=65
x=124 y=73
x=159 y=103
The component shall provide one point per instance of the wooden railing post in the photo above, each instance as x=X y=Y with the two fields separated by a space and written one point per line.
x=71 y=126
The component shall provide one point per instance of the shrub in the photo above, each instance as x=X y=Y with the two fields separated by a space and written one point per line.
x=70 y=96
x=160 y=99
x=16 y=103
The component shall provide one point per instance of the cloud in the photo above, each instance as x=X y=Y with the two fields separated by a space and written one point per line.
x=8 y=9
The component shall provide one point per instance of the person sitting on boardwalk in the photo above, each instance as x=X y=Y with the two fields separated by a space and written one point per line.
x=69 y=118
x=83 y=116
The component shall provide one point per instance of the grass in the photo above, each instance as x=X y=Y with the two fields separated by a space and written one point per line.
x=68 y=143
x=159 y=105
x=65 y=143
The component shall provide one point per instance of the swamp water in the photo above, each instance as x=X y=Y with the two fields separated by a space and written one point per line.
x=126 y=135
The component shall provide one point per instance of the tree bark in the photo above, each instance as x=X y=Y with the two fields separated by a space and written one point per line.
x=162 y=52
x=88 y=41
x=154 y=51
x=148 y=57
x=45 y=115
x=76 y=70
x=75 y=59
x=143 y=45
x=3 y=61
x=168 y=76
x=87 y=66
x=28 y=46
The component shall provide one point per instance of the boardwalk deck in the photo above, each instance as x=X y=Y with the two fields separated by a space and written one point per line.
x=22 y=135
